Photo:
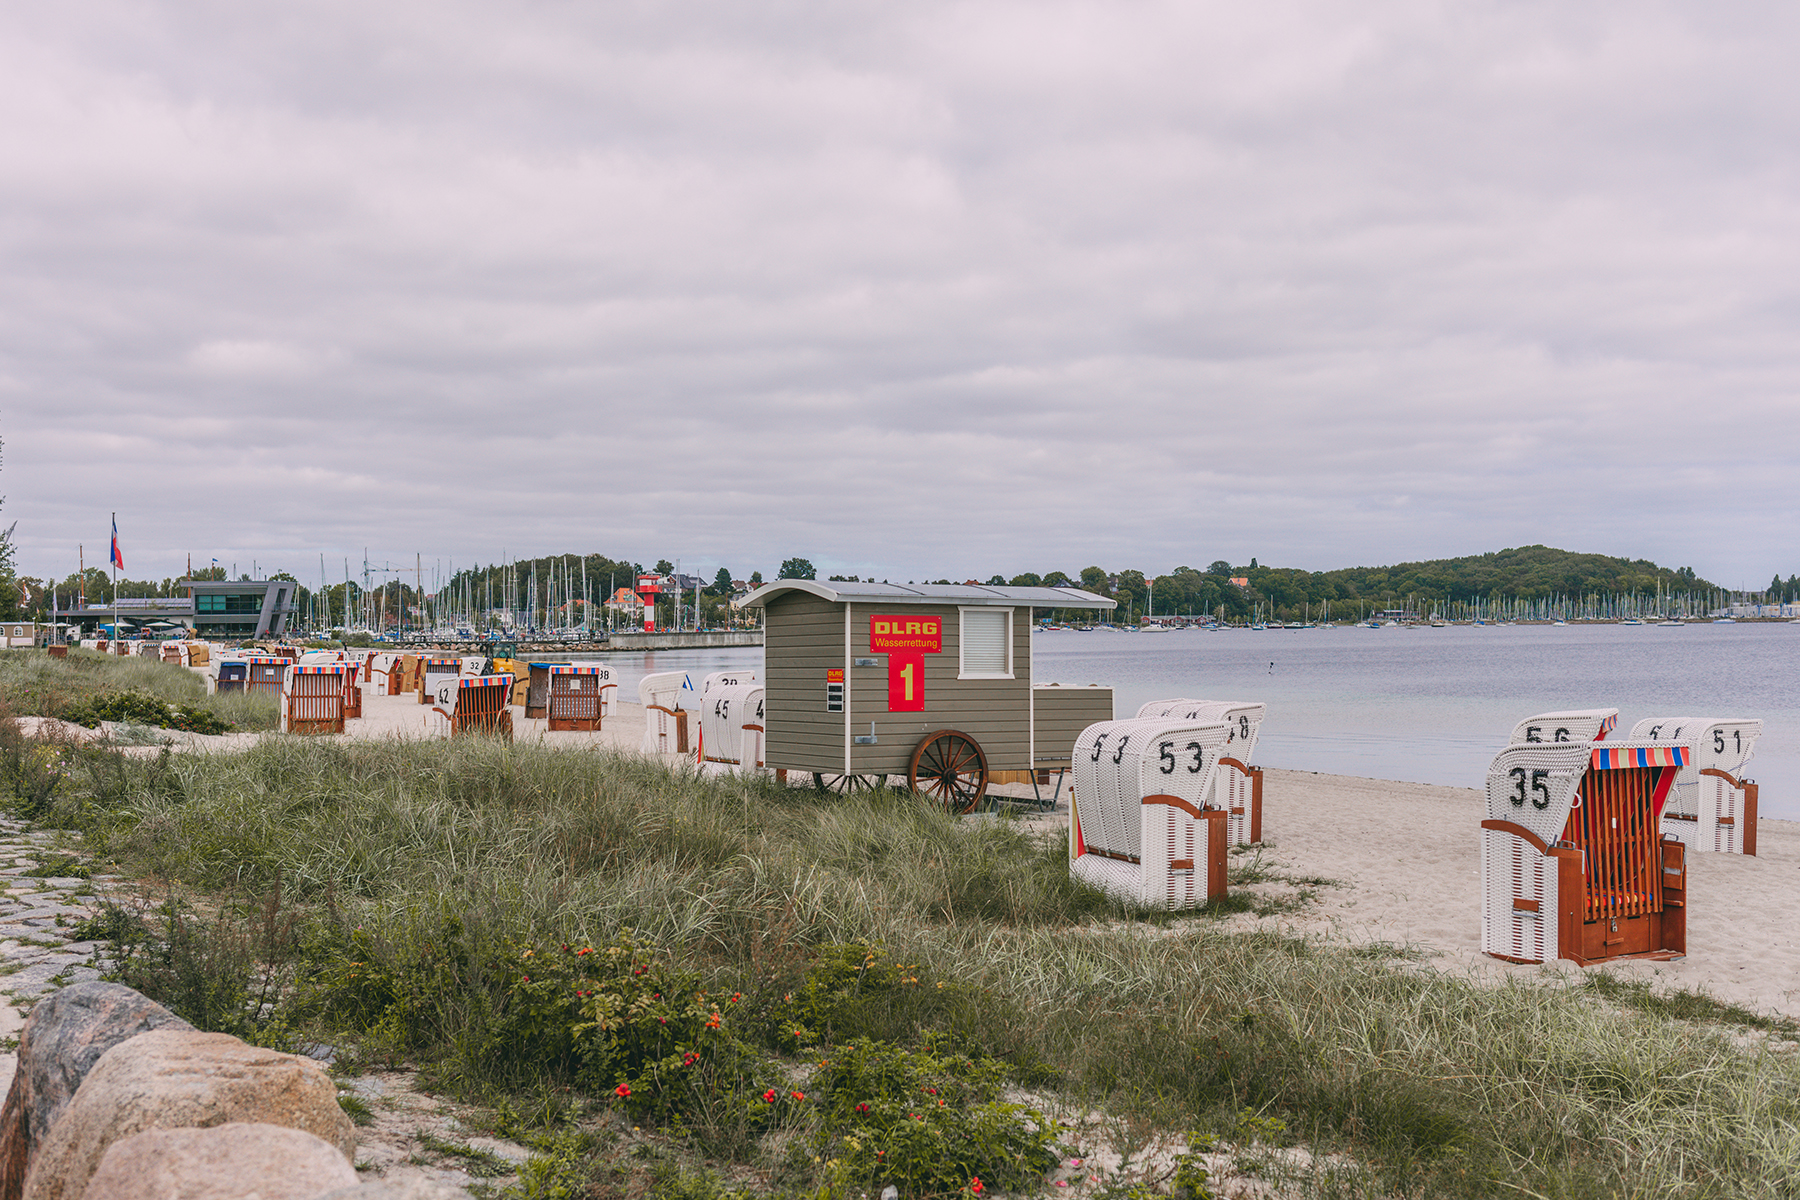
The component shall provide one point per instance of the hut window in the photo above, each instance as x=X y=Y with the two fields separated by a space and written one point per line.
x=986 y=642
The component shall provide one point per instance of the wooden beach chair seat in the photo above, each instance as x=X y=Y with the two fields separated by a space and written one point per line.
x=268 y=672
x=1713 y=807
x=234 y=675
x=537 y=694
x=1139 y=827
x=731 y=725
x=665 y=696
x=315 y=698
x=576 y=701
x=432 y=672
x=1238 y=783
x=171 y=653
x=479 y=705
x=1573 y=861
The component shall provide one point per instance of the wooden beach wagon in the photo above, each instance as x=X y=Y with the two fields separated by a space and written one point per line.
x=1574 y=863
x=864 y=682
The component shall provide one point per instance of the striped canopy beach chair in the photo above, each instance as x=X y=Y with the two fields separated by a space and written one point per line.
x=575 y=697
x=480 y=705
x=315 y=698
x=1573 y=861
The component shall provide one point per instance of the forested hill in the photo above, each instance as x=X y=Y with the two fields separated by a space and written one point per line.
x=1529 y=572
x=1525 y=573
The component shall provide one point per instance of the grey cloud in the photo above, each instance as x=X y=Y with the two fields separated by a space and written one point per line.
x=936 y=290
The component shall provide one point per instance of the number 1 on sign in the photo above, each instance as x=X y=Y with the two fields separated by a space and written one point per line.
x=906 y=681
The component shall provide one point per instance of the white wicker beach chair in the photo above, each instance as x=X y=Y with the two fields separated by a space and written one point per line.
x=1237 y=784
x=731 y=726
x=1139 y=828
x=1712 y=807
x=1573 y=864
x=666 y=697
x=725 y=679
x=1575 y=725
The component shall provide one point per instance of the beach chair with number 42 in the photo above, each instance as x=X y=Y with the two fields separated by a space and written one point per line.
x=1574 y=864
x=1139 y=828
x=477 y=704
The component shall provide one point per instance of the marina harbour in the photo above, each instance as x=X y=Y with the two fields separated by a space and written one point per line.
x=1419 y=704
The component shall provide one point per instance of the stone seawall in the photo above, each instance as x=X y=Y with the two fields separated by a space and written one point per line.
x=683 y=641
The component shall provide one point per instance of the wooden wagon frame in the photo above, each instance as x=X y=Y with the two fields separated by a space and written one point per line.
x=929 y=683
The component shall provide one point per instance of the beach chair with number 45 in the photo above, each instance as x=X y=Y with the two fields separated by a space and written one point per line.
x=1139 y=828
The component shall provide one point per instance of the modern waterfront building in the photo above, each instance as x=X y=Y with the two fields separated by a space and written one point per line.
x=225 y=609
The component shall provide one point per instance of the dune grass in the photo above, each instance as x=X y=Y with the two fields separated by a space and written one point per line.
x=34 y=684
x=1426 y=1083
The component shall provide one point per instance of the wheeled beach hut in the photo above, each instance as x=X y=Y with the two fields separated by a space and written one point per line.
x=1712 y=807
x=1574 y=863
x=928 y=683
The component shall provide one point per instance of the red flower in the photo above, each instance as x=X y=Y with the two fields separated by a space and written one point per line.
x=712 y=1022
x=798 y=1095
x=931 y=1091
x=736 y=996
x=621 y=1091
x=862 y=1108
x=769 y=1096
x=975 y=1185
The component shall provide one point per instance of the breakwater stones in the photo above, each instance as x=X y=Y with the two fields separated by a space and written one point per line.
x=116 y=1097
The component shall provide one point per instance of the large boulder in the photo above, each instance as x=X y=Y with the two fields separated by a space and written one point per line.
x=169 y=1079
x=237 y=1161
x=64 y=1037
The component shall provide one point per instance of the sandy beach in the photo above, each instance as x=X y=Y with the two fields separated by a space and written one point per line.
x=1400 y=864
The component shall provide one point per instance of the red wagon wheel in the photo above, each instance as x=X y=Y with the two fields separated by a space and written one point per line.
x=950 y=768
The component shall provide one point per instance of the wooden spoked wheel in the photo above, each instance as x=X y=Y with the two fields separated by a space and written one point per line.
x=950 y=768
x=843 y=785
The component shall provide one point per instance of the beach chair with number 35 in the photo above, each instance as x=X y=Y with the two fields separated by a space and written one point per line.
x=1574 y=863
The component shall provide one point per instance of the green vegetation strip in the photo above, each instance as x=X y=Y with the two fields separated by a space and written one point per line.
x=87 y=688
x=790 y=985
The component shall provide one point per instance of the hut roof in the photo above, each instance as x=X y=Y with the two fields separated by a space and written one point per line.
x=932 y=593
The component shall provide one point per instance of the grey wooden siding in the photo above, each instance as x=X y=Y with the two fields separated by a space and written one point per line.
x=1062 y=713
x=803 y=639
x=995 y=712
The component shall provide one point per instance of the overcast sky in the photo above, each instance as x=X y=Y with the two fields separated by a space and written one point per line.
x=917 y=290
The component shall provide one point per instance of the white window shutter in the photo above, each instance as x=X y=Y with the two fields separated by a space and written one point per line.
x=984 y=641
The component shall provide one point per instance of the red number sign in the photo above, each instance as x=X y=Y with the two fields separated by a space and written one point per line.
x=906 y=681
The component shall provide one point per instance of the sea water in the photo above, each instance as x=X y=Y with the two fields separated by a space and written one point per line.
x=1421 y=705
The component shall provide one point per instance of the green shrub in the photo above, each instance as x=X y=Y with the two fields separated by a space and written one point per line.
x=140 y=708
x=926 y=1122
